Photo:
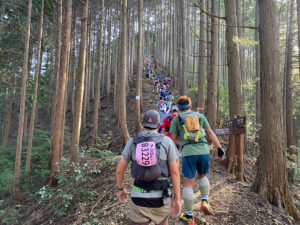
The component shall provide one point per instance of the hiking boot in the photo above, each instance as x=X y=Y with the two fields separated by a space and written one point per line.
x=186 y=219
x=205 y=208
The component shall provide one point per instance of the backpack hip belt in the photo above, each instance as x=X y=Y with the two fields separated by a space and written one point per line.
x=154 y=185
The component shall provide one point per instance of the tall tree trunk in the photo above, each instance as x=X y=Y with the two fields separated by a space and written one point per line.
x=257 y=67
x=139 y=67
x=80 y=85
x=73 y=74
x=235 y=86
x=98 y=79
x=35 y=92
x=240 y=34
x=202 y=59
x=194 y=47
x=7 y=125
x=108 y=80
x=288 y=83
x=182 y=90
x=16 y=188
x=271 y=178
x=57 y=127
x=212 y=79
x=57 y=67
x=122 y=80
x=103 y=57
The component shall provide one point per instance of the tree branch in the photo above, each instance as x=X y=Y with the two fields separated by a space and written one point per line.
x=207 y=13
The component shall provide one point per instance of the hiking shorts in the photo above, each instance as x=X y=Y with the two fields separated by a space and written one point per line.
x=193 y=163
x=144 y=216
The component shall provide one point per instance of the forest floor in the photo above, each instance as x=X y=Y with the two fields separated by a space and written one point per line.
x=232 y=201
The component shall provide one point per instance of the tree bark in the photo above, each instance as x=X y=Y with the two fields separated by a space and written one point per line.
x=80 y=85
x=212 y=79
x=57 y=66
x=288 y=83
x=235 y=87
x=271 y=178
x=240 y=34
x=202 y=59
x=139 y=68
x=7 y=125
x=16 y=188
x=257 y=68
x=35 y=92
x=98 y=78
x=123 y=62
x=108 y=80
x=182 y=90
x=73 y=74
x=57 y=128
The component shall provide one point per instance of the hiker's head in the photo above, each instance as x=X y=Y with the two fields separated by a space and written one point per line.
x=163 y=107
x=174 y=109
x=184 y=103
x=151 y=120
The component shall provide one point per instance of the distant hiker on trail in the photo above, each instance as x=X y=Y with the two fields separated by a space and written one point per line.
x=153 y=160
x=160 y=103
x=161 y=93
x=163 y=113
x=190 y=128
x=167 y=121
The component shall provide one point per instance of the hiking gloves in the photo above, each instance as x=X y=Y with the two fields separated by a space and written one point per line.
x=221 y=152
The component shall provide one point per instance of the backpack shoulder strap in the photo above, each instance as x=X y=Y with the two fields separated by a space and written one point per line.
x=180 y=118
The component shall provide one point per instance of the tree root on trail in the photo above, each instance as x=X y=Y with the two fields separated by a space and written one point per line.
x=91 y=212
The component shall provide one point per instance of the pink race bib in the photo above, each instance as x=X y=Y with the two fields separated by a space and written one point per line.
x=146 y=154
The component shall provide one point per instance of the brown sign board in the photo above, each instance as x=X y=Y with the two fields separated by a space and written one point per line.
x=229 y=130
x=223 y=131
x=237 y=122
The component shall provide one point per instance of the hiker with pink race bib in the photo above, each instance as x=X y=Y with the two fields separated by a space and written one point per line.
x=153 y=166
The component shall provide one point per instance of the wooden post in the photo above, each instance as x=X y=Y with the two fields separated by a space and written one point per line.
x=239 y=143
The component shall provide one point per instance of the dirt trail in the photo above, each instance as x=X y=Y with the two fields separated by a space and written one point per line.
x=232 y=202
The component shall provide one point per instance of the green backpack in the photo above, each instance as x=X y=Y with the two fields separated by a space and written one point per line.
x=192 y=129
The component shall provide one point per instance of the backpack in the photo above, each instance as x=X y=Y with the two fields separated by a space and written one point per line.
x=192 y=130
x=170 y=119
x=148 y=167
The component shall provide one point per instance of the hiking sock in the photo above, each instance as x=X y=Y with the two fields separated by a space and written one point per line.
x=204 y=188
x=188 y=198
x=189 y=213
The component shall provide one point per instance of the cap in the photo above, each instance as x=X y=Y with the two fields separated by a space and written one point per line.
x=151 y=119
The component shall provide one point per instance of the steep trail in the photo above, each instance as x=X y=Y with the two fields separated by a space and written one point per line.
x=232 y=201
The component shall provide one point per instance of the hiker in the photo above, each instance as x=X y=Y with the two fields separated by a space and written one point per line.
x=161 y=93
x=163 y=113
x=190 y=128
x=167 y=121
x=153 y=161
x=160 y=103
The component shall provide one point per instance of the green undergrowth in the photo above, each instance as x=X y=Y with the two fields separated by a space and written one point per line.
x=29 y=183
x=40 y=165
x=77 y=185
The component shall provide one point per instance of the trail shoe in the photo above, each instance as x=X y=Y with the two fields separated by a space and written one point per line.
x=205 y=208
x=186 y=219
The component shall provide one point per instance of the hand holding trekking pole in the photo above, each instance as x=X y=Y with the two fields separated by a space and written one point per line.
x=123 y=196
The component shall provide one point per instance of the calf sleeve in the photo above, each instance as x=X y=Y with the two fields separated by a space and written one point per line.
x=188 y=198
x=204 y=187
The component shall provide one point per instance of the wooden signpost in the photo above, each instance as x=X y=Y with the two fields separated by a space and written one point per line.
x=235 y=128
